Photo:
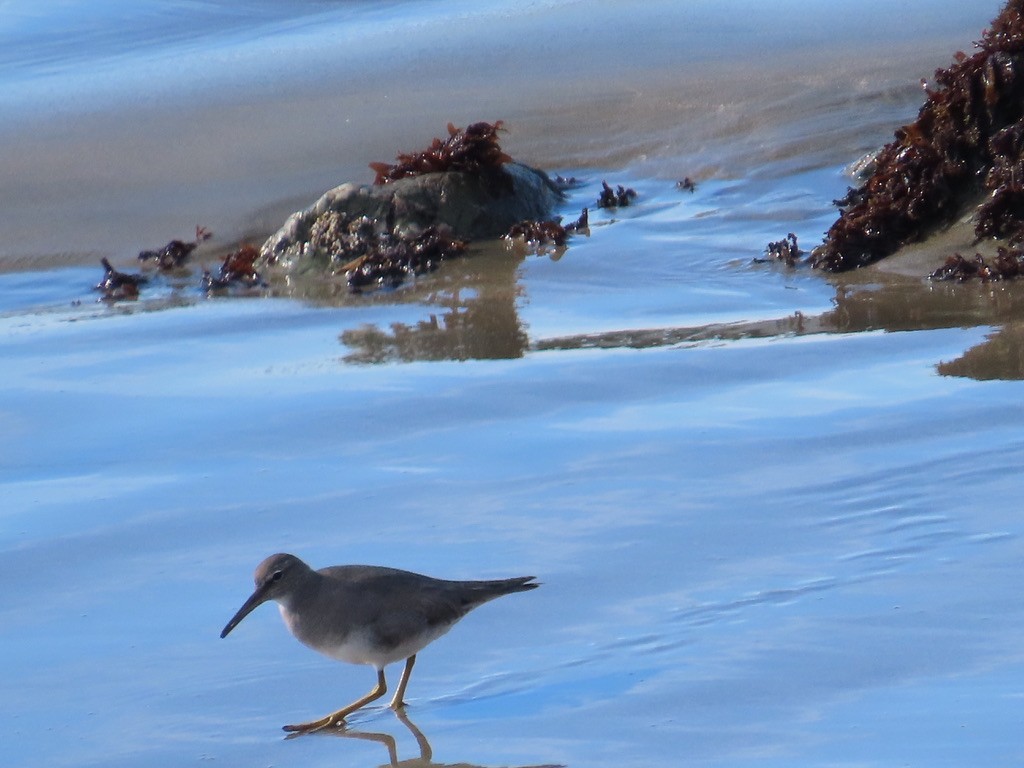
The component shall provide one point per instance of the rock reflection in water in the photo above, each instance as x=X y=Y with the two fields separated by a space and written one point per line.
x=895 y=305
x=1000 y=357
x=473 y=316
x=478 y=320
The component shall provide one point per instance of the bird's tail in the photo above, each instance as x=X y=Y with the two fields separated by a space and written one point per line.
x=482 y=591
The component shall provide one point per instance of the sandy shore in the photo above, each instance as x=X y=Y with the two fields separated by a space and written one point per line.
x=118 y=165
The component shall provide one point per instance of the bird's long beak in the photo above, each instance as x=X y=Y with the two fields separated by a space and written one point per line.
x=256 y=599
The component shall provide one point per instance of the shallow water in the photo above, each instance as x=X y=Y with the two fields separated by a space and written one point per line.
x=775 y=515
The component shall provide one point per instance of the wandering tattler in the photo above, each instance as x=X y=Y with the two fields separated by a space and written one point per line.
x=366 y=614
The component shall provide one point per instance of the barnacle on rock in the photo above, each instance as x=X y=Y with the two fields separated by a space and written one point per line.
x=385 y=260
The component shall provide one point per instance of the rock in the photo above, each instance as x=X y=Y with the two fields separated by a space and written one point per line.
x=465 y=205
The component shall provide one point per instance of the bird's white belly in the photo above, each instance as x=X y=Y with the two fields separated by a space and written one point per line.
x=359 y=647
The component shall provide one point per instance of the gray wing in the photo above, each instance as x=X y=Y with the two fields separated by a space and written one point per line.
x=404 y=604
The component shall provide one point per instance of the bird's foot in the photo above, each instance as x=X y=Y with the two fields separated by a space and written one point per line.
x=331 y=721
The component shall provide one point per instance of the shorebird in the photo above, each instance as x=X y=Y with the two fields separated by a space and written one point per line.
x=366 y=614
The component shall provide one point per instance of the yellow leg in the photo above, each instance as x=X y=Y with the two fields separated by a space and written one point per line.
x=397 y=702
x=336 y=718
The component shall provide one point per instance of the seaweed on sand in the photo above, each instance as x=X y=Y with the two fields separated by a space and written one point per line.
x=966 y=140
x=118 y=286
x=175 y=253
x=1007 y=264
x=238 y=269
x=785 y=250
x=615 y=198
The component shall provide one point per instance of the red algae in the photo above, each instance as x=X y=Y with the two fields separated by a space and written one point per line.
x=176 y=253
x=473 y=150
x=966 y=141
x=538 y=235
x=237 y=270
x=615 y=198
x=117 y=285
x=1008 y=263
x=785 y=250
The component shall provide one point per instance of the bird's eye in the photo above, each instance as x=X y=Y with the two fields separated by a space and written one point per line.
x=277 y=576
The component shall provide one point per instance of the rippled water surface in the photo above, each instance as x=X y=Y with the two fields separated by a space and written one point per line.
x=775 y=515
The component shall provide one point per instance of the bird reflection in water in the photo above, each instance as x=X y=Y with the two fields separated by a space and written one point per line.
x=426 y=756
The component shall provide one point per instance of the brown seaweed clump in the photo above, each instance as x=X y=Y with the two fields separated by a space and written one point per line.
x=237 y=270
x=615 y=198
x=968 y=138
x=565 y=183
x=175 y=253
x=1008 y=263
x=119 y=286
x=785 y=250
x=538 y=235
x=472 y=150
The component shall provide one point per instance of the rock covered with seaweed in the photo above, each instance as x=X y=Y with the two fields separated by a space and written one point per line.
x=964 y=151
x=419 y=210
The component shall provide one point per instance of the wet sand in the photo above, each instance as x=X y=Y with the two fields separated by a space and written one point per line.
x=133 y=157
